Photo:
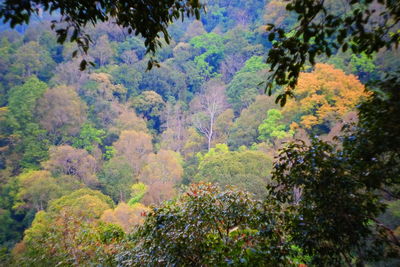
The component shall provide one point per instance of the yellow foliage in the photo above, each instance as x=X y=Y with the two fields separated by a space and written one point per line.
x=126 y=216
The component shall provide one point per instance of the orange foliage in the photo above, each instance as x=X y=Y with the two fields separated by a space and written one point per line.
x=324 y=95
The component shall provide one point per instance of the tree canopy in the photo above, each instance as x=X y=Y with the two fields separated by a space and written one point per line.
x=150 y=20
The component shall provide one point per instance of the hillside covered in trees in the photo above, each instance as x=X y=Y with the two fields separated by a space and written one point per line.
x=174 y=166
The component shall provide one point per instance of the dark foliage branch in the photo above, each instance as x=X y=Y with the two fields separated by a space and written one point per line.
x=366 y=27
x=338 y=193
x=150 y=19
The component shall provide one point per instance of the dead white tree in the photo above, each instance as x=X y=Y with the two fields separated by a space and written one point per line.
x=207 y=106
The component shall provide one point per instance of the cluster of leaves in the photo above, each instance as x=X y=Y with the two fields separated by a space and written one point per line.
x=207 y=226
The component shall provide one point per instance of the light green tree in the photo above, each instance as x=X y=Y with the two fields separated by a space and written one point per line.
x=271 y=129
x=248 y=170
x=211 y=46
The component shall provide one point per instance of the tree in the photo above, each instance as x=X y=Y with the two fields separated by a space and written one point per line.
x=346 y=186
x=194 y=143
x=244 y=87
x=126 y=216
x=68 y=73
x=207 y=106
x=239 y=48
x=89 y=138
x=223 y=126
x=322 y=186
x=270 y=129
x=208 y=226
x=72 y=161
x=129 y=76
x=161 y=173
x=360 y=30
x=166 y=81
x=165 y=166
x=245 y=128
x=117 y=176
x=36 y=189
x=101 y=87
x=148 y=20
x=324 y=96
x=276 y=13
x=30 y=139
x=102 y=52
x=149 y=104
x=362 y=66
x=61 y=111
x=358 y=172
x=247 y=170
x=70 y=233
x=194 y=29
x=138 y=191
x=134 y=147
x=32 y=59
x=212 y=49
x=127 y=120
x=175 y=118
x=23 y=101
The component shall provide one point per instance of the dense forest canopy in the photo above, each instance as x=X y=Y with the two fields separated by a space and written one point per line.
x=199 y=133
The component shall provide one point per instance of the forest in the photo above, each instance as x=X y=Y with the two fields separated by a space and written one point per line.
x=198 y=149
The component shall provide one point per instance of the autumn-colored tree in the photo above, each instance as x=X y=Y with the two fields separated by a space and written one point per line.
x=158 y=192
x=126 y=216
x=324 y=96
x=68 y=73
x=164 y=166
x=275 y=12
x=61 y=111
x=194 y=29
x=135 y=147
x=100 y=85
x=162 y=170
x=127 y=120
x=72 y=161
x=206 y=108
